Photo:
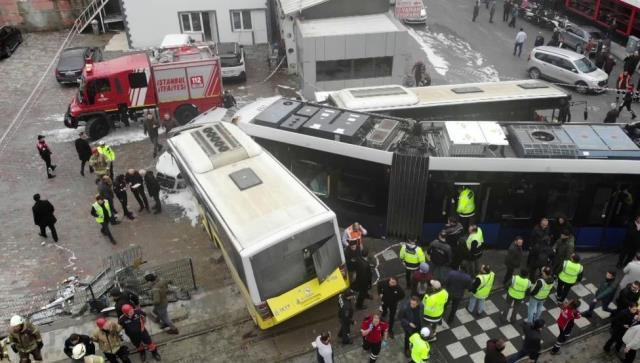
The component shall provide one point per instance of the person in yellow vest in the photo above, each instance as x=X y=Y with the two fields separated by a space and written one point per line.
x=571 y=273
x=474 y=243
x=101 y=210
x=481 y=288
x=420 y=347
x=434 y=302
x=539 y=293
x=109 y=154
x=466 y=203
x=515 y=294
x=411 y=256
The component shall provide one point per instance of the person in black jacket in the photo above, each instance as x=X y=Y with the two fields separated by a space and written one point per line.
x=453 y=232
x=75 y=339
x=621 y=321
x=627 y=296
x=84 y=152
x=410 y=317
x=631 y=243
x=123 y=297
x=363 y=280
x=153 y=188
x=45 y=154
x=345 y=315
x=390 y=295
x=136 y=184
x=120 y=190
x=456 y=283
x=532 y=341
x=43 y=217
x=514 y=258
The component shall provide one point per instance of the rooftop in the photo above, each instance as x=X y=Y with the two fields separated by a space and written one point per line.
x=348 y=25
x=292 y=6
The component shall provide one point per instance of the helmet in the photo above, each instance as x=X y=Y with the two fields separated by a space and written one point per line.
x=424 y=267
x=16 y=320
x=78 y=351
x=100 y=143
x=126 y=308
x=101 y=322
x=150 y=276
x=425 y=332
x=436 y=284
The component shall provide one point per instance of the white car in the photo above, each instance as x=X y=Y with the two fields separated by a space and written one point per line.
x=422 y=19
x=232 y=61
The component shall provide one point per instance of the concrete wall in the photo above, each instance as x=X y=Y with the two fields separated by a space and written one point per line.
x=147 y=28
x=36 y=15
x=334 y=8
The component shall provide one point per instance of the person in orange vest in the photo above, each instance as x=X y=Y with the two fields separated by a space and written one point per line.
x=354 y=232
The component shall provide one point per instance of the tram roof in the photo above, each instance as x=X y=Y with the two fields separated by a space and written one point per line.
x=256 y=196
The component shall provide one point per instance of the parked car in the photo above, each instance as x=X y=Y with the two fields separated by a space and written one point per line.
x=232 y=61
x=566 y=66
x=73 y=60
x=421 y=19
x=10 y=38
x=582 y=39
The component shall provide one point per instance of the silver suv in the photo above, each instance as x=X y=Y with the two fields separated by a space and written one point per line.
x=583 y=39
x=566 y=67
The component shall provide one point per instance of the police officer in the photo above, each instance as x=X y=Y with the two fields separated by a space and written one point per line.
x=101 y=210
x=539 y=293
x=466 y=207
x=570 y=274
x=420 y=346
x=516 y=293
x=411 y=256
x=474 y=243
x=345 y=315
x=434 y=302
x=109 y=154
x=481 y=288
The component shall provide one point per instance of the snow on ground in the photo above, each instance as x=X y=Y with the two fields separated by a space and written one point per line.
x=186 y=201
x=428 y=45
x=119 y=136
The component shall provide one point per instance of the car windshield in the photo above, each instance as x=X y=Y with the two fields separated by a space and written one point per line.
x=230 y=60
x=584 y=65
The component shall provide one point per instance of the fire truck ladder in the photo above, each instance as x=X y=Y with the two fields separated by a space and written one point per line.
x=90 y=12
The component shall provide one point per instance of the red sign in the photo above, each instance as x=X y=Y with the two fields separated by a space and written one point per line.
x=408 y=8
x=197 y=81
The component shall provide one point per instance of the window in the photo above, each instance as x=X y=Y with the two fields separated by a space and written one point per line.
x=191 y=22
x=354 y=68
x=562 y=198
x=241 y=20
x=118 y=86
x=564 y=64
x=357 y=190
x=313 y=176
x=515 y=200
x=137 y=80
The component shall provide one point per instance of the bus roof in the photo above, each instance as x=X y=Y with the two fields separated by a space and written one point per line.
x=256 y=197
x=397 y=97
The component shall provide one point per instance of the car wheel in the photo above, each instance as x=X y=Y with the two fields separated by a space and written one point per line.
x=534 y=73
x=582 y=87
x=185 y=113
x=97 y=127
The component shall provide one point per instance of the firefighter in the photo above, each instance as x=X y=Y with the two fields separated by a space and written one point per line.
x=354 y=232
x=434 y=302
x=411 y=256
x=133 y=321
x=516 y=293
x=25 y=339
x=109 y=154
x=474 y=243
x=109 y=339
x=79 y=354
x=570 y=274
x=99 y=164
x=123 y=297
x=420 y=346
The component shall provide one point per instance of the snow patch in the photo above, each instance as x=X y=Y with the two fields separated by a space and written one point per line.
x=123 y=135
x=437 y=62
x=58 y=117
x=62 y=135
x=185 y=200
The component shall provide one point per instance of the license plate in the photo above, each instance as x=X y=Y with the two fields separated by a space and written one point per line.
x=70 y=73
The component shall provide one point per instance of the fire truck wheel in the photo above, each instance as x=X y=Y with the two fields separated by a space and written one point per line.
x=185 y=113
x=97 y=127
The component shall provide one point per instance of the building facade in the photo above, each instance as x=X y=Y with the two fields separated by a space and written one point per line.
x=35 y=15
x=242 y=21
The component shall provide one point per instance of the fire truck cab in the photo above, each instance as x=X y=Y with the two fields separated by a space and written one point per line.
x=180 y=82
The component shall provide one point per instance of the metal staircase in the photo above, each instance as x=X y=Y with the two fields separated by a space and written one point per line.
x=90 y=12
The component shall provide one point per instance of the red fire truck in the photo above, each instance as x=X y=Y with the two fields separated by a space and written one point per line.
x=181 y=82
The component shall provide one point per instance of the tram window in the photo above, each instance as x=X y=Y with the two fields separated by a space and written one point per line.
x=313 y=176
x=600 y=206
x=514 y=201
x=624 y=211
x=545 y=115
x=561 y=201
x=357 y=190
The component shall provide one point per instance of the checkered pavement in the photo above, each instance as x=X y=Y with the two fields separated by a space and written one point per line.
x=466 y=339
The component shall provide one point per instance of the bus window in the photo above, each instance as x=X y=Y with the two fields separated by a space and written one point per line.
x=313 y=176
x=357 y=190
x=562 y=200
x=545 y=115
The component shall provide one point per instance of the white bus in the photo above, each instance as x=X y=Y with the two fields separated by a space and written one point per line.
x=279 y=240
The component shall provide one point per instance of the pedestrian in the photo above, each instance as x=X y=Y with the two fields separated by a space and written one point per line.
x=604 y=295
x=453 y=232
x=630 y=294
x=532 y=343
x=25 y=339
x=120 y=190
x=123 y=297
x=354 y=232
x=493 y=353
x=521 y=37
x=540 y=256
x=228 y=99
x=434 y=302
x=539 y=293
x=390 y=295
x=570 y=274
x=105 y=190
x=631 y=272
x=565 y=246
x=514 y=14
x=136 y=185
x=43 y=217
x=474 y=243
x=620 y=322
x=481 y=288
x=421 y=279
x=514 y=258
x=151 y=128
x=568 y=314
x=564 y=112
x=506 y=10
x=626 y=101
x=101 y=210
x=109 y=154
x=516 y=293
x=630 y=62
x=539 y=41
x=561 y=223
x=456 y=283
x=109 y=339
x=84 y=151
x=345 y=315
x=374 y=335
x=420 y=75
x=420 y=347
x=133 y=321
x=410 y=317
x=322 y=344
x=541 y=233
x=476 y=10
x=153 y=188
x=352 y=254
x=631 y=341
x=555 y=38
x=611 y=118
x=364 y=278
x=622 y=84
x=45 y=154
x=99 y=164
x=492 y=10
x=159 y=292
x=440 y=255
x=76 y=339
x=169 y=123
x=631 y=245
x=411 y=256
x=609 y=63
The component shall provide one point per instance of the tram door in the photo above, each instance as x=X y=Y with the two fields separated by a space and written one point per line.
x=610 y=211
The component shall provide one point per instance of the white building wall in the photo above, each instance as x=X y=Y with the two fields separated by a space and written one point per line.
x=149 y=22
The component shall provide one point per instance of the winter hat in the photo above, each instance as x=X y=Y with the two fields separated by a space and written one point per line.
x=36 y=197
x=424 y=267
x=436 y=284
x=40 y=137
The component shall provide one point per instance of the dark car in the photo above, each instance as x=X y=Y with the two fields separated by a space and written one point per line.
x=10 y=38
x=72 y=61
